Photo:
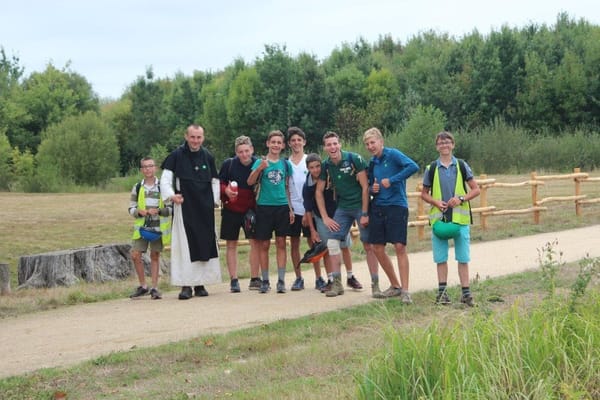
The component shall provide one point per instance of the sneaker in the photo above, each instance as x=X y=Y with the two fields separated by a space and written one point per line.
x=337 y=289
x=376 y=292
x=392 y=292
x=468 y=300
x=443 y=299
x=235 y=286
x=298 y=284
x=186 y=293
x=327 y=287
x=320 y=283
x=354 y=283
x=200 y=291
x=155 y=294
x=254 y=284
x=405 y=298
x=140 y=291
x=281 y=286
x=265 y=286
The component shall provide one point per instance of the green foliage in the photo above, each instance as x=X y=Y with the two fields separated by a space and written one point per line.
x=580 y=148
x=549 y=353
x=418 y=134
x=6 y=175
x=81 y=150
x=497 y=148
x=23 y=171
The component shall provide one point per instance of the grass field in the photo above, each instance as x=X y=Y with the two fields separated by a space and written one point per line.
x=316 y=357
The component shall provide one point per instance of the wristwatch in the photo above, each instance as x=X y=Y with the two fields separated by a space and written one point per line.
x=462 y=199
x=364 y=214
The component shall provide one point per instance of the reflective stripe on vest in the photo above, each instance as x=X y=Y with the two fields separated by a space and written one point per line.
x=460 y=214
x=165 y=222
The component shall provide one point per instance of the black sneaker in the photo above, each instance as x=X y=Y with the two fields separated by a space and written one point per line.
x=199 y=291
x=280 y=286
x=186 y=293
x=354 y=283
x=155 y=294
x=254 y=284
x=443 y=299
x=235 y=286
x=140 y=291
x=265 y=286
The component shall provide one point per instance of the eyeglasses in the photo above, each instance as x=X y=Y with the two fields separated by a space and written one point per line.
x=444 y=143
x=147 y=166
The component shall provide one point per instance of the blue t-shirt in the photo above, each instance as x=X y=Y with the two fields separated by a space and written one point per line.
x=397 y=167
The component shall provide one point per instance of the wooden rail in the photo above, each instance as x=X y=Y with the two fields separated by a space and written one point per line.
x=486 y=210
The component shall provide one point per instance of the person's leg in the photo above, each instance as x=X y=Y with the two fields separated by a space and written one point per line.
x=386 y=264
x=232 y=258
x=440 y=257
x=403 y=265
x=295 y=255
x=136 y=257
x=254 y=260
x=154 y=264
x=281 y=256
x=463 y=256
x=263 y=246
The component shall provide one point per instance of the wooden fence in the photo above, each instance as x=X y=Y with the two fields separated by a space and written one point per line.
x=485 y=210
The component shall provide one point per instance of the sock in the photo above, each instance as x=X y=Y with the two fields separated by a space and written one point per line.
x=281 y=273
x=466 y=291
x=330 y=277
x=336 y=275
x=265 y=275
x=375 y=278
x=349 y=274
x=442 y=287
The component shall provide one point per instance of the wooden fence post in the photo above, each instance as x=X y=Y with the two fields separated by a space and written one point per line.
x=536 y=213
x=420 y=211
x=483 y=202
x=4 y=279
x=577 y=192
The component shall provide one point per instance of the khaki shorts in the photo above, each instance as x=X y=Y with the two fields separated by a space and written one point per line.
x=142 y=245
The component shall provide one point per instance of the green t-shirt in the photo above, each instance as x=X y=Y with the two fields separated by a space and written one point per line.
x=272 y=183
x=342 y=178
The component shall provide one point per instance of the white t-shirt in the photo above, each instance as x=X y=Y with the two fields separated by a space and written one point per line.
x=299 y=173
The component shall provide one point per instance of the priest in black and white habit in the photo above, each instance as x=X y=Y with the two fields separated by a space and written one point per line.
x=190 y=180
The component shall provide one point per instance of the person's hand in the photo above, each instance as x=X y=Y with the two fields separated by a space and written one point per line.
x=331 y=224
x=264 y=163
x=142 y=213
x=442 y=205
x=314 y=236
x=292 y=217
x=177 y=199
x=364 y=221
x=375 y=187
x=385 y=182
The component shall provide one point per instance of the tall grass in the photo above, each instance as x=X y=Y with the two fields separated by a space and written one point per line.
x=549 y=352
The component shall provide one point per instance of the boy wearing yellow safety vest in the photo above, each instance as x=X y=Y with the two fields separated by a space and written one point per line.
x=445 y=184
x=150 y=213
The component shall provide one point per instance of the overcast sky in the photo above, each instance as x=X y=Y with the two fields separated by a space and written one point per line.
x=112 y=42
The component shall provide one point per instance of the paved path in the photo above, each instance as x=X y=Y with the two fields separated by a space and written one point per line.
x=70 y=335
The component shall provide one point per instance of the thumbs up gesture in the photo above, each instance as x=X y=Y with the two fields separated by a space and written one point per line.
x=375 y=188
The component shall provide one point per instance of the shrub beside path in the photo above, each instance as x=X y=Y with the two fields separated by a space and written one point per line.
x=70 y=335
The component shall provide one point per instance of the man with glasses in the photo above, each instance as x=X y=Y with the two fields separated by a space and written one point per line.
x=448 y=185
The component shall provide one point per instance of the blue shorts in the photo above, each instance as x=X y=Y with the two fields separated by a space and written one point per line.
x=462 y=248
x=345 y=218
x=325 y=234
x=388 y=224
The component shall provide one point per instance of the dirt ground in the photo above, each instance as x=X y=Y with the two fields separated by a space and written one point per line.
x=70 y=335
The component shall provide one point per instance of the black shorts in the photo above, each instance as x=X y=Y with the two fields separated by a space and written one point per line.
x=297 y=227
x=231 y=222
x=388 y=224
x=272 y=218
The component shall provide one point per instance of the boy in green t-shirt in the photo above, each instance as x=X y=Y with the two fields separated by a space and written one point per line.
x=273 y=208
x=346 y=173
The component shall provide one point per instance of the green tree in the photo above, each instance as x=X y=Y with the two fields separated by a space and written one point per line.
x=241 y=105
x=418 y=135
x=5 y=162
x=43 y=99
x=80 y=149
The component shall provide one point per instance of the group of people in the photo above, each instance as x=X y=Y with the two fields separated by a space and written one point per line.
x=298 y=196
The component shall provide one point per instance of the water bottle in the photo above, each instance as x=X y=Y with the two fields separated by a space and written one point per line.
x=233 y=186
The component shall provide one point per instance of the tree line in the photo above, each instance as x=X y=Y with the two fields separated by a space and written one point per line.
x=513 y=87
